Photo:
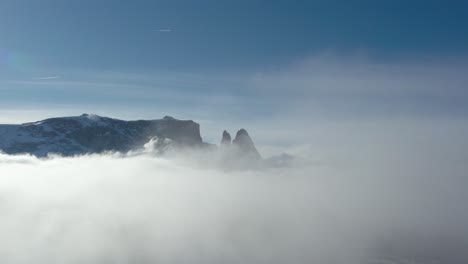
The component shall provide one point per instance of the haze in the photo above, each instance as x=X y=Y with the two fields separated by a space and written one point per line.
x=359 y=109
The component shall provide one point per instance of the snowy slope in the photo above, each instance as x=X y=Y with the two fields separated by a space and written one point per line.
x=93 y=134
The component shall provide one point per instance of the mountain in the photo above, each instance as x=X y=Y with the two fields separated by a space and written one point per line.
x=241 y=153
x=244 y=144
x=94 y=134
x=226 y=139
x=87 y=133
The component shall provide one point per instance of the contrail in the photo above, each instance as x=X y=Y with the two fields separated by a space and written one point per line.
x=47 y=78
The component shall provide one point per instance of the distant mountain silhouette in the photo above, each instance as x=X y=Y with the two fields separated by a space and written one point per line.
x=94 y=134
x=87 y=133
x=245 y=145
x=226 y=139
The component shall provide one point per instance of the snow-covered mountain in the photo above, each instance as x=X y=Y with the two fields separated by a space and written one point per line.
x=94 y=134
x=89 y=133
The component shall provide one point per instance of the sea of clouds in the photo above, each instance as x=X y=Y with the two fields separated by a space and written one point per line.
x=386 y=198
x=380 y=174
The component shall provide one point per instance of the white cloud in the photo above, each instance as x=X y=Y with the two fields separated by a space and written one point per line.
x=394 y=193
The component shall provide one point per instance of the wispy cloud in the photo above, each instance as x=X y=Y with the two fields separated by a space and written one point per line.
x=164 y=30
x=47 y=78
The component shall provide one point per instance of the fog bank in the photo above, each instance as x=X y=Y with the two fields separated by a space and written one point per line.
x=141 y=208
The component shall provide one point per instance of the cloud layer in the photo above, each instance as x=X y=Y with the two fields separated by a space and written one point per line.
x=390 y=203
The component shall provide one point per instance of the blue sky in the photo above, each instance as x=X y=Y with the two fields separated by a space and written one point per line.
x=228 y=35
x=229 y=60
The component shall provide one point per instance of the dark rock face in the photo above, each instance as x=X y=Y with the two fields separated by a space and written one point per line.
x=94 y=134
x=245 y=145
x=86 y=134
x=240 y=154
x=226 y=140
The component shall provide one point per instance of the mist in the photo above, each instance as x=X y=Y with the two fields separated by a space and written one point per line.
x=394 y=199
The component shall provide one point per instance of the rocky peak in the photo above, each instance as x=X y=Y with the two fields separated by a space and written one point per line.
x=226 y=140
x=245 y=144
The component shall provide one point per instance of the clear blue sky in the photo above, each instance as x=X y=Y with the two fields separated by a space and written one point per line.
x=200 y=55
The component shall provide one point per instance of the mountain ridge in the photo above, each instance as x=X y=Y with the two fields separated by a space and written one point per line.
x=90 y=133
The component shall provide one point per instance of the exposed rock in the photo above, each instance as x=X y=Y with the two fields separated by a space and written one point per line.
x=87 y=133
x=245 y=145
x=226 y=140
x=94 y=134
x=240 y=154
